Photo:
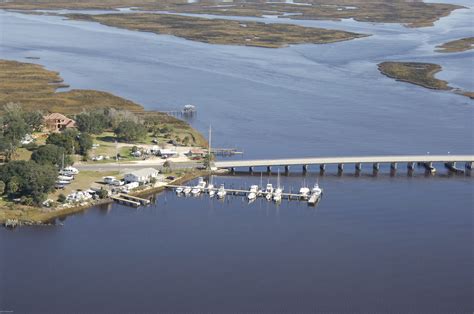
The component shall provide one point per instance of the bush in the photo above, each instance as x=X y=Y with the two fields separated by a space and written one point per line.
x=103 y=193
x=62 y=198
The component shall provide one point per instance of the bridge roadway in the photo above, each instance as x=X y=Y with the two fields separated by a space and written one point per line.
x=409 y=159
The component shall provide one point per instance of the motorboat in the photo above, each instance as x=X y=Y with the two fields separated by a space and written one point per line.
x=195 y=191
x=304 y=192
x=179 y=190
x=277 y=194
x=187 y=190
x=278 y=190
x=201 y=184
x=65 y=178
x=253 y=192
x=211 y=190
x=315 y=194
x=269 y=191
x=221 y=192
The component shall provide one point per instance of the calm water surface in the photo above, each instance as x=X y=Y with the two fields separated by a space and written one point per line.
x=372 y=245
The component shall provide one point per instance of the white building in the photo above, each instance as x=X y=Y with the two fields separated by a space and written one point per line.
x=142 y=175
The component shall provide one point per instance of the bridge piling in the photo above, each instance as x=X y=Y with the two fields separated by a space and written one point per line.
x=269 y=169
x=393 y=166
x=340 y=169
x=251 y=169
x=468 y=165
x=305 y=169
x=287 y=170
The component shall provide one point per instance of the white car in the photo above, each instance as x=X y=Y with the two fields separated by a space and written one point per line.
x=98 y=158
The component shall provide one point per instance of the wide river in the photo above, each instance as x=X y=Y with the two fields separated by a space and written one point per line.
x=373 y=244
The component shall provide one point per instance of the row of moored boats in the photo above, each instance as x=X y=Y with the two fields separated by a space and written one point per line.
x=270 y=192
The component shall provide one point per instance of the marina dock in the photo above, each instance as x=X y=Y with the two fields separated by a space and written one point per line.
x=241 y=192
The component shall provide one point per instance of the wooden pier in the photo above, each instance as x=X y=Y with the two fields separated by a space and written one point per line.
x=130 y=200
x=225 y=151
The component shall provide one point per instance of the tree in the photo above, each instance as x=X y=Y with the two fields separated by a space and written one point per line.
x=64 y=140
x=94 y=122
x=34 y=119
x=2 y=187
x=84 y=144
x=14 y=129
x=28 y=179
x=52 y=155
x=130 y=131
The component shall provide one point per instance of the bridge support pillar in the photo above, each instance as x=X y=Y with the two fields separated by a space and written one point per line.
x=322 y=167
x=340 y=169
x=469 y=165
x=393 y=166
x=232 y=170
x=358 y=166
x=287 y=170
x=429 y=167
x=411 y=166
x=269 y=169
x=305 y=169
x=376 y=166
x=251 y=169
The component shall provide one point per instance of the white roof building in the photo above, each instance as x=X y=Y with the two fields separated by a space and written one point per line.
x=143 y=175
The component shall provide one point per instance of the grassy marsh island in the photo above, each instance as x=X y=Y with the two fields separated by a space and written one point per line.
x=418 y=73
x=459 y=45
x=411 y=13
x=219 y=31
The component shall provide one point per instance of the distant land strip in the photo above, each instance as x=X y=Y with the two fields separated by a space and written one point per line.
x=410 y=13
x=459 y=45
x=419 y=73
x=221 y=31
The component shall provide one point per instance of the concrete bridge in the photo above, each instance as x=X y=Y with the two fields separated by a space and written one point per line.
x=410 y=160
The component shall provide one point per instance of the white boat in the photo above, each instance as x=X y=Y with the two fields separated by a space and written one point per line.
x=211 y=190
x=304 y=192
x=252 y=196
x=201 y=184
x=187 y=190
x=179 y=190
x=221 y=192
x=278 y=190
x=200 y=187
x=315 y=194
x=65 y=178
x=269 y=191
x=277 y=194
x=253 y=192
